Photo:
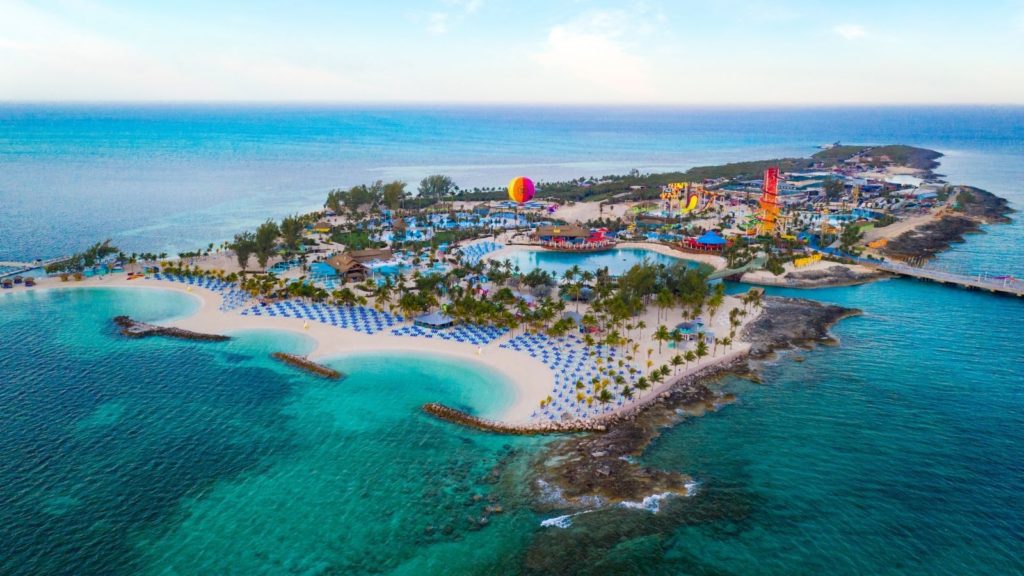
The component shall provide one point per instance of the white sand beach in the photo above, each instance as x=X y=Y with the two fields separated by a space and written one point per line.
x=532 y=380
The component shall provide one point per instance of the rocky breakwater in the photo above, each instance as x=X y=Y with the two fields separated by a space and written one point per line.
x=462 y=418
x=973 y=209
x=135 y=329
x=602 y=468
x=597 y=481
x=303 y=363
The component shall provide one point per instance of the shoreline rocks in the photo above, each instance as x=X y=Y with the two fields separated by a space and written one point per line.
x=135 y=329
x=785 y=323
x=456 y=416
x=308 y=365
x=578 y=472
x=836 y=275
x=977 y=207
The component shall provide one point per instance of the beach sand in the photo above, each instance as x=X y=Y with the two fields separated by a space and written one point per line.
x=531 y=380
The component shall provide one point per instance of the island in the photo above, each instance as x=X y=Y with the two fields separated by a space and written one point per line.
x=609 y=304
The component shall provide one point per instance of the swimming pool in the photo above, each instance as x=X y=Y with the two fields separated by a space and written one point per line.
x=617 y=260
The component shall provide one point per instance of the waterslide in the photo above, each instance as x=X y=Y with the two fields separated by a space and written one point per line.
x=691 y=205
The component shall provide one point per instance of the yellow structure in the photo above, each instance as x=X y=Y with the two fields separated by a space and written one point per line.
x=807 y=260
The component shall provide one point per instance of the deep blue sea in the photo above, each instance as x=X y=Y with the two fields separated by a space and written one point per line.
x=172 y=178
x=899 y=451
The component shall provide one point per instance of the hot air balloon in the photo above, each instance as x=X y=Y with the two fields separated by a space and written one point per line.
x=520 y=189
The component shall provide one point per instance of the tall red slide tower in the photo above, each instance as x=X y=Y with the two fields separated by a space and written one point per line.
x=769 y=213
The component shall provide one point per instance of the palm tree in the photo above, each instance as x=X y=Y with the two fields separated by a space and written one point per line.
x=702 y=349
x=676 y=362
x=642 y=383
x=640 y=326
x=664 y=300
x=661 y=335
x=604 y=397
x=690 y=356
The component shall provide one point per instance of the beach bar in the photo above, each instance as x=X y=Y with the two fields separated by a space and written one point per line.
x=434 y=320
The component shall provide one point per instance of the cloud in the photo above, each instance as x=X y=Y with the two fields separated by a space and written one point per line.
x=850 y=31
x=593 y=57
x=440 y=22
x=467 y=6
x=437 y=23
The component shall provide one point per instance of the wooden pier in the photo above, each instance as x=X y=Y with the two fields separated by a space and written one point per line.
x=998 y=285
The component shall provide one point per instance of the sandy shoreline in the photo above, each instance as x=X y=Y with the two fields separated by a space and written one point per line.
x=529 y=379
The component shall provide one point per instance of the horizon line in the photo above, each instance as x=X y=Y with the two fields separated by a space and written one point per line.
x=507 y=104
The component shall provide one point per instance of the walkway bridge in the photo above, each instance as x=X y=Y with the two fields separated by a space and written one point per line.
x=1007 y=284
x=755 y=264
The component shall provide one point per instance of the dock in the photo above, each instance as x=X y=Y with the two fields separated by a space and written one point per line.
x=16 y=268
x=1007 y=285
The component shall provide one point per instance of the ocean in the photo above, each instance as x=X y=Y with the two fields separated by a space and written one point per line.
x=897 y=451
x=175 y=178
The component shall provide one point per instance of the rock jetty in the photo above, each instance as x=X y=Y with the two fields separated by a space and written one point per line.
x=135 y=329
x=787 y=322
x=555 y=427
x=308 y=365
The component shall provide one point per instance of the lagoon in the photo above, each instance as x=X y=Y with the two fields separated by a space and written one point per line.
x=147 y=456
x=617 y=260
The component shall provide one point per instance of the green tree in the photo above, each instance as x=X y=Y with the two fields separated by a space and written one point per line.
x=702 y=349
x=688 y=357
x=436 y=186
x=676 y=362
x=265 y=240
x=244 y=245
x=662 y=334
x=394 y=193
x=849 y=238
x=291 y=232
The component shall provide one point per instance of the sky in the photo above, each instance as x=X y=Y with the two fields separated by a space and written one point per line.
x=675 y=52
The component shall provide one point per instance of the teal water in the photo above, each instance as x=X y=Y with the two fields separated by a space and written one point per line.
x=897 y=452
x=176 y=177
x=156 y=456
x=617 y=260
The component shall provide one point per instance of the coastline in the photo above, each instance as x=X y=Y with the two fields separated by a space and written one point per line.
x=593 y=471
x=529 y=379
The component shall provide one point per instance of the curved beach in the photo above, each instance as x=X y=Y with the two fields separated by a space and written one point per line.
x=531 y=380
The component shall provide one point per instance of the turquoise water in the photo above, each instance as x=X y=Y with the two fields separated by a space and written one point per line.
x=177 y=177
x=158 y=456
x=617 y=260
x=897 y=452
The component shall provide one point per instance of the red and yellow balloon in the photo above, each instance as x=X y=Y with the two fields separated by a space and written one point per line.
x=520 y=189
